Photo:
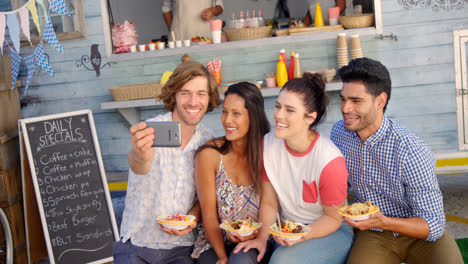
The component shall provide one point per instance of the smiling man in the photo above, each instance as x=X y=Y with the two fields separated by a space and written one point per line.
x=161 y=180
x=394 y=169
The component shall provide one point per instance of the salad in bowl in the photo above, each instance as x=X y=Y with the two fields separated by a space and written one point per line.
x=359 y=211
x=177 y=221
x=240 y=226
x=289 y=230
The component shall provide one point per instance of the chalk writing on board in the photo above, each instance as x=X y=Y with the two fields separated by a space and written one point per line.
x=71 y=191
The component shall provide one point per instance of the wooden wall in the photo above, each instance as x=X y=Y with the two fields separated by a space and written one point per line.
x=420 y=63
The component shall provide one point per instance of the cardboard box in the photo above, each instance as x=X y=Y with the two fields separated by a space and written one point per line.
x=10 y=111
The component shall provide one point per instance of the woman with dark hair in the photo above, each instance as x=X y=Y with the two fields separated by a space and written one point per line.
x=304 y=180
x=227 y=175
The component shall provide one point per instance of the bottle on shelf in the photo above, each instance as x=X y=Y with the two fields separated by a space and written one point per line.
x=297 y=66
x=281 y=72
x=283 y=55
x=291 y=67
x=241 y=22
x=232 y=24
x=261 y=21
x=254 y=21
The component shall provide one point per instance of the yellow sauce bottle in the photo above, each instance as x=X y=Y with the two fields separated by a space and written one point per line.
x=281 y=72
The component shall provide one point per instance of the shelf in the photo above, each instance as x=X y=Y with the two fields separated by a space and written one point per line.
x=230 y=45
x=130 y=110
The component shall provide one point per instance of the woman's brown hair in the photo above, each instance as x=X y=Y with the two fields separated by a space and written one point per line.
x=259 y=126
x=312 y=89
x=184 y=73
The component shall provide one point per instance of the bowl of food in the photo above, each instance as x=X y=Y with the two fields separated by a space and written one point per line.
x=289 y=230
x=240 y=227
x=359 y=211
x=177 y=221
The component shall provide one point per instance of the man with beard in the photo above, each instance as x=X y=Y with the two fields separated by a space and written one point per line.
x=394 y=169
x=161 y=180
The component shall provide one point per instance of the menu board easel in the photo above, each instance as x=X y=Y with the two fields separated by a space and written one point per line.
x=68 y=209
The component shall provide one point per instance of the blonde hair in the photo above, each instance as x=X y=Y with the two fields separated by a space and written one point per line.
x=184 y=73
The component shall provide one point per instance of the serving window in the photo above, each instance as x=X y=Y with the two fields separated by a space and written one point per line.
x=150 y=26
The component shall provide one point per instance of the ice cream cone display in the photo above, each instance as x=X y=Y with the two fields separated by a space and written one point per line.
x=356 y=50
x=342 y=55
x=318 y=21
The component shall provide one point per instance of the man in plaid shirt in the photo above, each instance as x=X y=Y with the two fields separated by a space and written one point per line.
x=394 y=169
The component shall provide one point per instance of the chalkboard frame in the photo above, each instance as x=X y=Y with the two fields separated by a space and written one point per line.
x=22 y=126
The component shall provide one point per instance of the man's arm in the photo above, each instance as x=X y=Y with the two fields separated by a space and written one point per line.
x=415 y=227
x=307 y=19
x=422 y=195
x=168 y=19
x=211 y=12
x=341 y=4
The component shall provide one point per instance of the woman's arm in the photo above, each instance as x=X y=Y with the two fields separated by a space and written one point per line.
x=206 y=166
x=267 y=216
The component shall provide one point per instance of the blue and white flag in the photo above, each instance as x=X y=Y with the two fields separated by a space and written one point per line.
x=59 y=6
x=13 y=29
x=29 y=61
x=41 y=59
x=15 y=65
x=50 y=37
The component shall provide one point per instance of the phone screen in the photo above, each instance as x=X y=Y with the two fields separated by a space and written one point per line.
x=166 y=134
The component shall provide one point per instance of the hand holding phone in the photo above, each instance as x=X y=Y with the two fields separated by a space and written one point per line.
x=166 y=134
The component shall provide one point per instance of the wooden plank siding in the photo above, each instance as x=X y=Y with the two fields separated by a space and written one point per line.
x=420 y=63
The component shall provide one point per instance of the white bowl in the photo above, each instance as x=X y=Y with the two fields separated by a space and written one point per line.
x=248 y=233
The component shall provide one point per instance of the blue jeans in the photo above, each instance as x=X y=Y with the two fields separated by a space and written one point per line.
x=331 y=249
x=127 y=253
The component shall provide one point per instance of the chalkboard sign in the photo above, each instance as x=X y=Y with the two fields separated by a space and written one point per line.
x=71 y=188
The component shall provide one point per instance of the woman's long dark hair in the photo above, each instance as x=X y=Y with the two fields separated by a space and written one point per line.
x=259 y=126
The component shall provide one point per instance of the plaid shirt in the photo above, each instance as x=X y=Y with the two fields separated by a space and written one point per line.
x=394 y=169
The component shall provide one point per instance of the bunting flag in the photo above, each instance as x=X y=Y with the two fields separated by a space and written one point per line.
x=10 y=19
x=41 y=59
x=24 y=18
x=13 y=29
x=31 y=5
x=50 y=37
x=15 y=65
x=29 y=61
x=2 y=31
x=59 y=6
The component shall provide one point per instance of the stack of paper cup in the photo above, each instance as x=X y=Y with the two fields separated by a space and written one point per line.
x=356 y=50
x=342 y=50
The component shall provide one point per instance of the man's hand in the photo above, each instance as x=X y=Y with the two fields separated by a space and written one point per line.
x=207 y=14
x=175 y=232
x=259 y=244
x=376 y=220
x=236 y=238
x=286 y=242
x=141 y=140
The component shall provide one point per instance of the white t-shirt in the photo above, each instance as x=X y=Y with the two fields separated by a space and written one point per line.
x=305 y=182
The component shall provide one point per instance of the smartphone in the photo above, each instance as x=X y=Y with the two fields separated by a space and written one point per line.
x=166 y=134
